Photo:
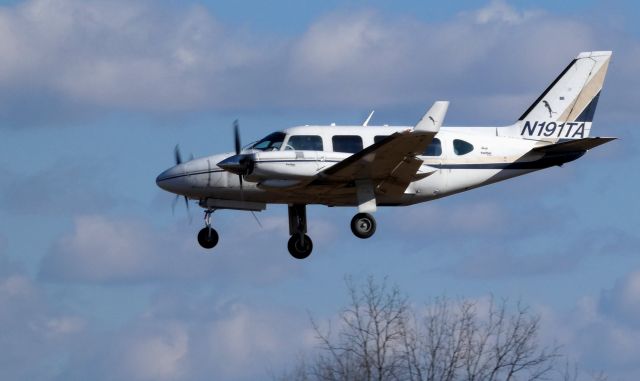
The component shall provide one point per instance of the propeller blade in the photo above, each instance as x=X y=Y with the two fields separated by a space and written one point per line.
x=236 y=136
x=177 y=155
x=257 y=220
x=241 y=188
x=186 y=203
x=173 y=205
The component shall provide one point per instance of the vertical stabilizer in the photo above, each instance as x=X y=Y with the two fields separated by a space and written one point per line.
x=565 y=109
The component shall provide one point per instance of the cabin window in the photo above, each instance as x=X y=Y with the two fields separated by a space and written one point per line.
x=434 y=149
x=304 y=143
x=347 y=143
x=379 y=138
x=460 y=147
x=271 y=142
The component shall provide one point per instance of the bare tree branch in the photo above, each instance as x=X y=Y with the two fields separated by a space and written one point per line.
x=380 y=337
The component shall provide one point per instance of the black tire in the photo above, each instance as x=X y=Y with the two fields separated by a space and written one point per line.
x=300 y=250
x=208 y=238
x=363 y=225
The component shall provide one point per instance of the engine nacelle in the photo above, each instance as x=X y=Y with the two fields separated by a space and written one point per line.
x=285 y=165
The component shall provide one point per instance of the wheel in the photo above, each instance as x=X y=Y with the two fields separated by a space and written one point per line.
x=363 y=225
x=300 y=250
x=208 y=238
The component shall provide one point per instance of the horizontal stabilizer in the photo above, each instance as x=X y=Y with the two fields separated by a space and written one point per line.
x=573 y=145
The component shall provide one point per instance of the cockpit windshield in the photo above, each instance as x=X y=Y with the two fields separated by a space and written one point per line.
x=271 y=142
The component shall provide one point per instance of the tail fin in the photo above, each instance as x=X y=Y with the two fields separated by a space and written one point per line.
x=565 y=109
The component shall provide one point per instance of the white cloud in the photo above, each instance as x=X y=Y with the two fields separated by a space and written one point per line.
x=451 y=218
x=246 y=334
x=99 y=250
x=500 y=11
x=178 y=334
x=34 y=327
x=71 y=57
x=68 y=185
x=64 y=325
x=601 y=332
x=109 y=250
x=122 y=55
x=623 y=300
x=187 y=335
x=157 y=355
x=193 y=339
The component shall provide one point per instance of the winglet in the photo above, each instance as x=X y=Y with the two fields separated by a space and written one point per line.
x=432 y=120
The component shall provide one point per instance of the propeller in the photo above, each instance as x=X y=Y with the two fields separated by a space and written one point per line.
x=245 y=162
x=178 y=155
x=178 y=158
x=238 y=145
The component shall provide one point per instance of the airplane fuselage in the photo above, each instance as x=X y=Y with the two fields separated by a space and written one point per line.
x=447 y=170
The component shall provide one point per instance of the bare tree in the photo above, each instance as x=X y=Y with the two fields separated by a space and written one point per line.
x=453 y=342
x=368 y=343
x=379 y=336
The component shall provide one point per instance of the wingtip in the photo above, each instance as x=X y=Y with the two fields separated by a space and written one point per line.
x=432 y=120
x=601 y=53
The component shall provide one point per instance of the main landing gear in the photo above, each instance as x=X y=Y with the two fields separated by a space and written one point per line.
x=363 y=225
x=208 y=236
x=300 y=245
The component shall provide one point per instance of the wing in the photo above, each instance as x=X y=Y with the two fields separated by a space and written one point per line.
x=391 y=164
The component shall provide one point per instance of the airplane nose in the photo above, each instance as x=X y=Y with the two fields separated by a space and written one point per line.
x=172 y=180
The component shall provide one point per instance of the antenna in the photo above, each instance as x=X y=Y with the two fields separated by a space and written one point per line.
x=366 y=122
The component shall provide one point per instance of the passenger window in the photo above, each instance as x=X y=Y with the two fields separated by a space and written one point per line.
x=433 y=149
x=304 y=143
x=379 y=138
x=347 y=143
x=460 y=147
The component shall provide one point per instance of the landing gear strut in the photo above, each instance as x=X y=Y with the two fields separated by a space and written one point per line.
x=300 y=245
x=363 y=225
x=208 y=236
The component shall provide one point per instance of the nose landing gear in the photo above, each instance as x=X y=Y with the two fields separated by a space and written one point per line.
x=208 y=236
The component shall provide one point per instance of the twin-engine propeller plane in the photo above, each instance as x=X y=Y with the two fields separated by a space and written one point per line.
x=366 y=166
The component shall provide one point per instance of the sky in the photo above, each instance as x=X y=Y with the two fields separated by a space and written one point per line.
x=99 y=280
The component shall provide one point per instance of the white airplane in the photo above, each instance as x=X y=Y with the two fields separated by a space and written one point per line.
x=369 y=166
